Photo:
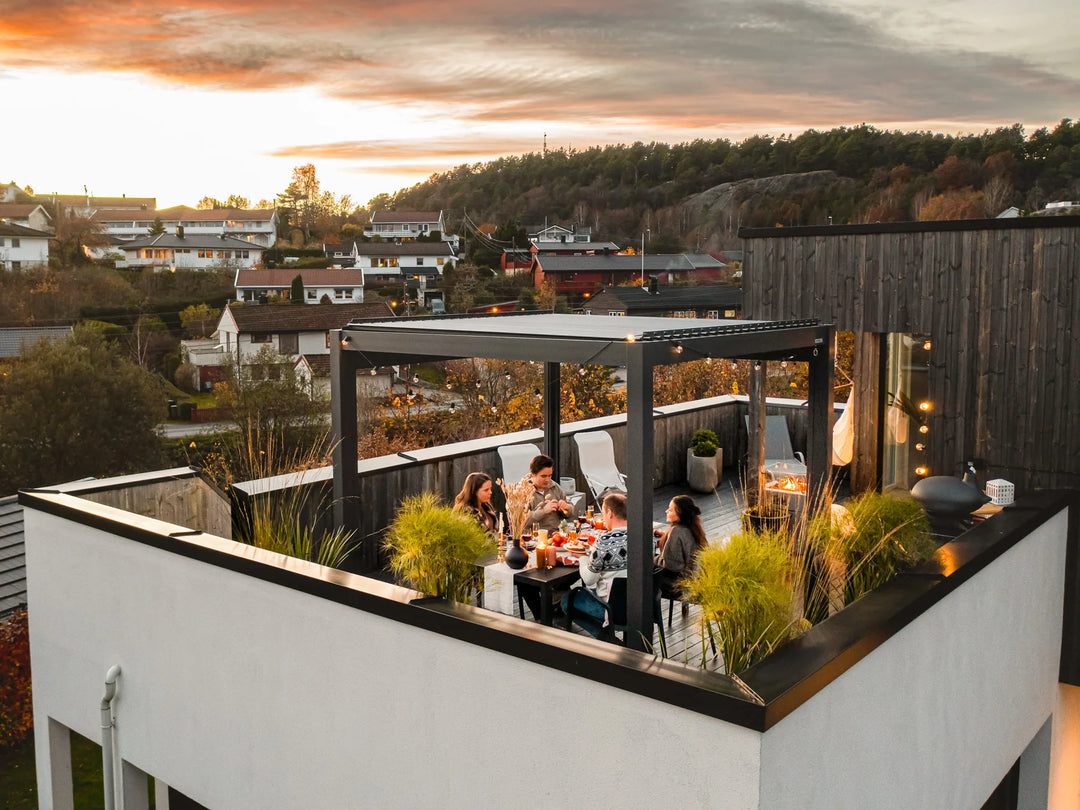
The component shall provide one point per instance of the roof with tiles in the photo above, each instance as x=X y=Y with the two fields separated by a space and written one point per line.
x=283 y=277
x=183 y=213
x=10 y=210
x=12 y=556
x=307 y=318
x=11 y=229
x=655 y=263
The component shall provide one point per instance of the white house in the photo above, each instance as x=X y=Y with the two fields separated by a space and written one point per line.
x=290 y=330
x=30 y=215
x=169 y=251
x=22 y=248
x=84 y=205
x=405 y=224
x=314 y=371
x=341 y=286
x=257 y=226
x=387 y=262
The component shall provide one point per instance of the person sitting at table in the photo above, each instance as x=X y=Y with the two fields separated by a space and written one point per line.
x=604 y=562
x=475 y=500
x=680 y=544
x=549 y=505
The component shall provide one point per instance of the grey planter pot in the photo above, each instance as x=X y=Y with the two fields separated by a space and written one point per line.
x=703 y=472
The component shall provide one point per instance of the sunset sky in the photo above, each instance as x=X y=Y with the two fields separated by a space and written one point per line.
x=215 y=97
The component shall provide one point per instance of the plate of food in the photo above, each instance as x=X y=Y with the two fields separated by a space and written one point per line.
x=576 y=548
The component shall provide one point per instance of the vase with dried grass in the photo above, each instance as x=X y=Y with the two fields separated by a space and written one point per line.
x=518 y=498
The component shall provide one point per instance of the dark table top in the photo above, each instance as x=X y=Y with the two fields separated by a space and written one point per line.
x=555 y=576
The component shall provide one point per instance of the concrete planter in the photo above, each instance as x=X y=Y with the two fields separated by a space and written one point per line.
x=703 y=472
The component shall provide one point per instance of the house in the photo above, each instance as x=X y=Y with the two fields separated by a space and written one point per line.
x=710 y=301
x=29 y=215
x=22 y=248
x=257 y=226
x=314 y=371
x=966 y=339
x=341 y=286
x=84 y=205
x=16 y=339
x=558 y=234
x=171 y=251
x=406 y=225
x=389 y=263
x=577 y=275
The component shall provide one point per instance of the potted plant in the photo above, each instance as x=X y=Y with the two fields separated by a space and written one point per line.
x=703 y=460
x=434 y=549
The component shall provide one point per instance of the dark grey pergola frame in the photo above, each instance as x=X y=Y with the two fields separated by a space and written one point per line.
x=639 y=343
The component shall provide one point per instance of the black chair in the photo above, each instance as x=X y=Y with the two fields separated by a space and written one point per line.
x=669 y=589
x=615 y=611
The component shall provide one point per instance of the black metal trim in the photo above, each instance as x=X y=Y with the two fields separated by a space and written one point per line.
x=1018 y=223
x=785 y=680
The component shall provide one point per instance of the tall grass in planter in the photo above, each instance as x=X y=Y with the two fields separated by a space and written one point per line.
x=880 y=536
x=747 y=592
x=434 y=549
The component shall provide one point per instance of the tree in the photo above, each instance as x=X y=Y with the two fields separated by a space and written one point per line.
x=199 y=319
x=232 y=201
x=77 y=408
x=157 y=227
x=296 y=293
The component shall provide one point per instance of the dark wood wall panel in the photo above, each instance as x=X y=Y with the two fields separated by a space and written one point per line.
x=1001 y=300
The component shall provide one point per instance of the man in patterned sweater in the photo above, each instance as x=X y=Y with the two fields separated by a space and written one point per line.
x=605 y=562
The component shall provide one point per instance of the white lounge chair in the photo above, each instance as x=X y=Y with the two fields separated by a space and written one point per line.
x=780 y=459
x=515 y=461
x=596 y=457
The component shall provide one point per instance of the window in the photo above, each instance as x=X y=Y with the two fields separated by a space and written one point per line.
x=1 y=241
x=419 y=262
x=289 y=343
x=241 y=254
x=439 y=261
x=617 y=314
x=312 y=295
x=712 y=314
x=343 y=293
x=261 y=337
x=15 y=242
x=206 y=254
x=729 y=313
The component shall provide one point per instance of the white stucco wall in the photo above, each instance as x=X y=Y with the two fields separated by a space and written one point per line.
x=243 y=694
x=937 y=716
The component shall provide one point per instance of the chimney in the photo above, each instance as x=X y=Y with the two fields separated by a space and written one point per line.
x=654 y=285
x=180 y=231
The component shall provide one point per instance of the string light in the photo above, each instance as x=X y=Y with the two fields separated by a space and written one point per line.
x=924 y=428
x=678 y=348
x=927 y=345
x=757 y=365
x=708 y=359
x=345 y=341
x=734 y=365
x=373 y=371
x=415 y=379
x=925 y=405
x=783 y=364
x=477 y=383
x=920 y=446
x=453 y=407
x=494 y=409
x=448 y=386
x=581 y=371
x=921 y=471
x=630 y=338
x=539 y=396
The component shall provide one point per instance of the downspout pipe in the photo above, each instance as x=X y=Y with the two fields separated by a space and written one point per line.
x=108 y=725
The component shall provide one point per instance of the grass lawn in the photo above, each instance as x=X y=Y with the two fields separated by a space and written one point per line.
x=18 y=782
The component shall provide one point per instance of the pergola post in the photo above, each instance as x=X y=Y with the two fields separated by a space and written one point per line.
x=639 y=498
x=820 y=422
x=552 y=425
x=343 y=368
x=755 y=451
x=866 y=388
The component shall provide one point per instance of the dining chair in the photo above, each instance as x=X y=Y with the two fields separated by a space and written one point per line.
x=615 y=612
x=596 y=458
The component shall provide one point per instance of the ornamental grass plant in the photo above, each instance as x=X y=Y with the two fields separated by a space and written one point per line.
x=747 y=590
x=434 y=549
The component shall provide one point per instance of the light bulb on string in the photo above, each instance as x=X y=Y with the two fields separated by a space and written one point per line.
x=924 y=428
x=921 y=471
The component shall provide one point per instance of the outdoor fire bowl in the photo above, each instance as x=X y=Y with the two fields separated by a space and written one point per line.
x=947 y=497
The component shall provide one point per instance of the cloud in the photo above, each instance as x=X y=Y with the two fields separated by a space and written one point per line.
x=591 y=65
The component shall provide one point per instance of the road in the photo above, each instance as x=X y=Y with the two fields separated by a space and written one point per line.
x=179 y=430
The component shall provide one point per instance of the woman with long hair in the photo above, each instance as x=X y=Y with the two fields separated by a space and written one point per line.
x=684 y=538
x=475 y=499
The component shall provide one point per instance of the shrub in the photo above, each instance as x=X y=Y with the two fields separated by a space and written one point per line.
x=16 y=706
x=747 y=594
x=435 y=549
x=704 y=443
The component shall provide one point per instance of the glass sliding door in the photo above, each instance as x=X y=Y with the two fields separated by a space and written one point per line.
x=907 y=409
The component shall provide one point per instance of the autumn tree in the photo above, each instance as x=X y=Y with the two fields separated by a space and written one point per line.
x=964 y=203
x=232 y=201
x=74 y=409
x=199 y=320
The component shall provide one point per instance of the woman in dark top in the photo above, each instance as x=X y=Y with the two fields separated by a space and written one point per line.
x=475 y=499
x=685 y=537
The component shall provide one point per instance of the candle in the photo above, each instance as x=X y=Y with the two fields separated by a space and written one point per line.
x=552 y=560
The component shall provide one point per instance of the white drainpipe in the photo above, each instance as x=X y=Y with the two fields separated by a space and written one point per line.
x=108 y=728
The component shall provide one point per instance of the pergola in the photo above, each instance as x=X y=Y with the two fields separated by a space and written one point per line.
x=638 y=343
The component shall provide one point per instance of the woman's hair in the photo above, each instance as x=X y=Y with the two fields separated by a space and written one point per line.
x=466 y=499
x=688 y=514
x=540 y=462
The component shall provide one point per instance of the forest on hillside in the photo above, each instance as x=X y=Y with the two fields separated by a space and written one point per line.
x=699 y=193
